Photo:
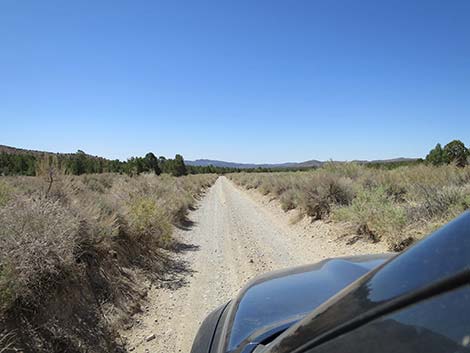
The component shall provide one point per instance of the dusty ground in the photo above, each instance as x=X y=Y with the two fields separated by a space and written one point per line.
x=235 y=235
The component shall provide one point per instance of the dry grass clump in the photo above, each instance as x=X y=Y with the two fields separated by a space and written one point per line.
x=5 y=193
x=38 y=241
x=148 y=221
x=323 y=192
x=396 y=206
x=375 y=214
x=83 y=240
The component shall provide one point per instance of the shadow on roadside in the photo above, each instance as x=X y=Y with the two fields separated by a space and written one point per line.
x=176 y=271
x=183 y=247
x=185 y=224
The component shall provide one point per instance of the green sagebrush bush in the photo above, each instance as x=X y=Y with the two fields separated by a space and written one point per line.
x=149 y=221
x=392 y=205
x=374 y=213
x=324 y=192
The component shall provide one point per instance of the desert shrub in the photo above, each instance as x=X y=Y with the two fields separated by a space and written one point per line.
x=5 y=193
x=38 y=242
x=349 y=170
x=40 y=238
x=314 y=193
x=265 y=187
x=84 y=244
x=148 y=221
x=396 y=205
x=396 y=192
x=374 y=214
x=315 y=203
x=98 y=182
x=279 y=188
x=289 y=199
x=275 y=184
x=324 y=191
x=339 y=190
x=436 y=203
x=465 y=202
x=247 y=180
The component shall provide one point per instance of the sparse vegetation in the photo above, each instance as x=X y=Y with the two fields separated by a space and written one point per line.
x=396 y=206
x=72 y=247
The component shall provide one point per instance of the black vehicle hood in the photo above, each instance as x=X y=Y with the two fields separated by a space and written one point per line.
x=442 y=260
x=275 y=301
x=306 y=308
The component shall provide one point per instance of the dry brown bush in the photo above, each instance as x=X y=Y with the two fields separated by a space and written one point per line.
x=396 y=206
x=81 y=244
x=38 y=241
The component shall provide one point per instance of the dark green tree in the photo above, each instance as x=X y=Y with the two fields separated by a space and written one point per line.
x=455 y=151
x=179 y=168
x=436 y=156
x=162 y=164
x=78 y=163
x=135 y=166
x=151 y=163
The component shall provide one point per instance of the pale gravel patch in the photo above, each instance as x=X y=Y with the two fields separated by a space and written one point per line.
x=239 y=235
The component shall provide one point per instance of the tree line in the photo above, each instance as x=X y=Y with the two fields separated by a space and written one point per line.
x=33 y=163
x=454 y=152
x=81 y=163
x=30 y=163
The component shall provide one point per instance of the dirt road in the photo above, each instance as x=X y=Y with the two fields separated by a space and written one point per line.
x=234 y=237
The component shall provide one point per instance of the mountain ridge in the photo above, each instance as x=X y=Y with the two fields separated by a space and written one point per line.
x=313 y=163
x=203 y=162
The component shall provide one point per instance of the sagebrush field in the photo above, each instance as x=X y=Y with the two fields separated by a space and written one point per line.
x=77 y=251
x=397 y=206
x=73 y=252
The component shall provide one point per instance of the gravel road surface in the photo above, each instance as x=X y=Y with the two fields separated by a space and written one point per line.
x=234 y=236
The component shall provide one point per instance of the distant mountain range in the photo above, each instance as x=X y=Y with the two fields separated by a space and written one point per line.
x=215 y=163
x=313 y=163
x=307 y=164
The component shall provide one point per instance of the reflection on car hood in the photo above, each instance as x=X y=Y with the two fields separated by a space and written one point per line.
x=442 y=256
x=279 y=299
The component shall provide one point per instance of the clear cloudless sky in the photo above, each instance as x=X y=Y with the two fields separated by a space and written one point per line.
x=239 y=80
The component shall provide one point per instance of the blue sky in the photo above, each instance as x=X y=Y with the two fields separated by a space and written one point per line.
x=241 y=80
